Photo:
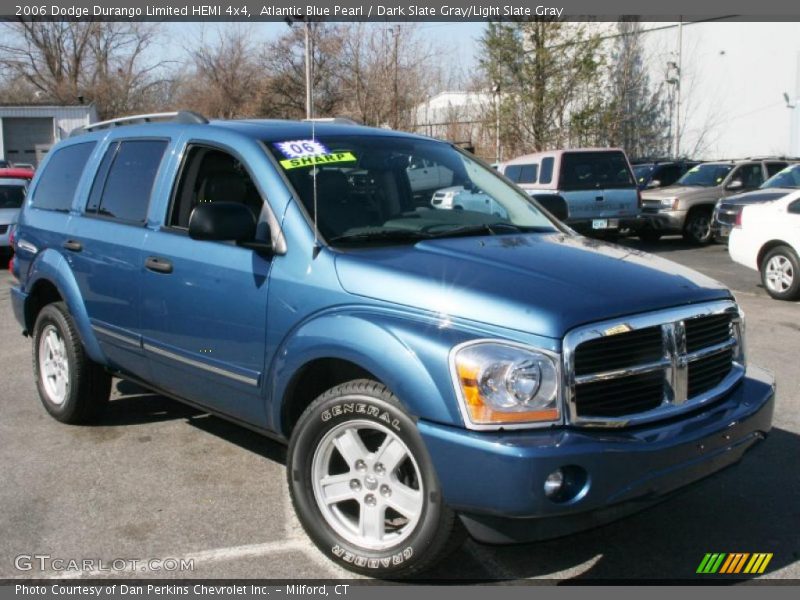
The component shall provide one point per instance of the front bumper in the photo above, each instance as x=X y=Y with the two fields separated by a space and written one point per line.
x=495 y=481
x=612 y=224
x=668 y=221
x=18 y=298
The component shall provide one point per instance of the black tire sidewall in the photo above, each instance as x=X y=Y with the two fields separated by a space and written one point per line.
x=794 y=291
x=693 y=216
x=320 y=418
x=52 y=315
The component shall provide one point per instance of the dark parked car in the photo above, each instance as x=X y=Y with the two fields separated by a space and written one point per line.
x=658 y=174
x=728 y=209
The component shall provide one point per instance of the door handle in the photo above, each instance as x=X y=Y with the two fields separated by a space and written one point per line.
x=73 y=245
x=159 y=265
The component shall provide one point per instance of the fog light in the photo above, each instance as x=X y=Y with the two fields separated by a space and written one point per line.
x=554 y=483
x=568 y=483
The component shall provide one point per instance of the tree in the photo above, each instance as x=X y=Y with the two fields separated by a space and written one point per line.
x=283 y=62
x=543 y=69
x=225 y=79
x=387 y=73
x=73 y=61
x=635 y=116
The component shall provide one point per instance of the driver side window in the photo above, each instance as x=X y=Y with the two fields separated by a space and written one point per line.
x=211 y=175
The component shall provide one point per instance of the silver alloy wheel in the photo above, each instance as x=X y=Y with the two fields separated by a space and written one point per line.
x=700 y=227
x=779 y=274
x=53 y=365
x=373 y=499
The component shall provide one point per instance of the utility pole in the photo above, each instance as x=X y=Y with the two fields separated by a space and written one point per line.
x=309 y=53
x=678 y=89
x=309 y=84
x=496 y=94
x=395 y=31
x=793 y=104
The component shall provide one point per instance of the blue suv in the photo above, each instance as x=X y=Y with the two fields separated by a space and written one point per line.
x=434 y=372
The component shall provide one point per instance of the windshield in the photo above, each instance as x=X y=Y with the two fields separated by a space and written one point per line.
x=788 y=178
x=707 y=175
x=370 y=189
x=595 y=170
x=642 y=172
x=11 y=196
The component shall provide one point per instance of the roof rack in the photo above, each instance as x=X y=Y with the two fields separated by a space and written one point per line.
x=336 y=120
x=181 y=116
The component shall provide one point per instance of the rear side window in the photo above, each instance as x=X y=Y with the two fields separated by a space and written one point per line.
x=124 y=192
x=594 y=170
x=522 y=173
x=775 y=167
x=546 y=175
x=11 y=196
x=58 y=182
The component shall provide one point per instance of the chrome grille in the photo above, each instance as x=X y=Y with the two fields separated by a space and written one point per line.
x=653 y=365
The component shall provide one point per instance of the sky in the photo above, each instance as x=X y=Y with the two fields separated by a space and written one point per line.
x=733 y=76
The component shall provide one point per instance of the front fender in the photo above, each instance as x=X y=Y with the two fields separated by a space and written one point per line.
x=50 y=266
x=408 y=355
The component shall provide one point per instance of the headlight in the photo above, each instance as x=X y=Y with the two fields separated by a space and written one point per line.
x=669 y=202
x=500 y=383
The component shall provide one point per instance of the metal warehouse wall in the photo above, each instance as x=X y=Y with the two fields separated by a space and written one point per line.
x=65 y=118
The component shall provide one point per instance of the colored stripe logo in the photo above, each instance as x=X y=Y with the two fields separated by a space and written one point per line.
x=734 y=563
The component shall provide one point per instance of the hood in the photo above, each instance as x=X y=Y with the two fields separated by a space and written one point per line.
x=682 y=192
x=8 y=215
x=757 y=196
x=544 y=284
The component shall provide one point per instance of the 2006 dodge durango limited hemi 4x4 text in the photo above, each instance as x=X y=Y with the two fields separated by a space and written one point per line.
x=434 y=372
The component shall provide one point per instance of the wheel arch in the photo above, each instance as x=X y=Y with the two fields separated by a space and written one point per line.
x=335 y=348
x=767 y=248
x=51 y=280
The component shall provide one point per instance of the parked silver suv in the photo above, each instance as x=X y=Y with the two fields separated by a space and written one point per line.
x=687 y=207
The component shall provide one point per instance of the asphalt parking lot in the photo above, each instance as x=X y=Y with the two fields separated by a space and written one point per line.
x=155 y=479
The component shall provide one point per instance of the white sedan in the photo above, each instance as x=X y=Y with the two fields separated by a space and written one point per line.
x=766 y=238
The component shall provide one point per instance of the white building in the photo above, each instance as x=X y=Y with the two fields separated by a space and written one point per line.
x=456 y=116
x=28 y=131
x=733 y=79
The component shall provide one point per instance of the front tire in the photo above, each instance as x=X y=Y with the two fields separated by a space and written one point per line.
x=780 y=273
x=697 y=229
x=364 y=487
x=72 y=388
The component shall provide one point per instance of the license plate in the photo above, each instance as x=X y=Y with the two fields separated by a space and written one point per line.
x=600 y=224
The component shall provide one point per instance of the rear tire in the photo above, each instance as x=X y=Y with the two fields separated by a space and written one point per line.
x=780 y=273
x=72 y=388
x=364 y=487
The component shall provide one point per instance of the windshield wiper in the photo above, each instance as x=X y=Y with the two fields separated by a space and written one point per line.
x=484 y=229
x=400 y=235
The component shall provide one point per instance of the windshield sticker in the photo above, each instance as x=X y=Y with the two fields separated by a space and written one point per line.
x=324 y=159
x=300 y=148
x=695 y=170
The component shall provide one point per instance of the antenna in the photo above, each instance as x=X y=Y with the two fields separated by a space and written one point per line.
x=310 y=115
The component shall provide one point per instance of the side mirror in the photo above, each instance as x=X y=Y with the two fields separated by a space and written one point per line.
x=225 y=222
x=555 y=205
x=736 y=184
x=653 y=183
